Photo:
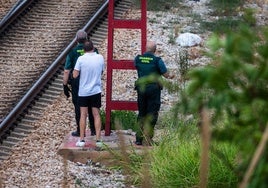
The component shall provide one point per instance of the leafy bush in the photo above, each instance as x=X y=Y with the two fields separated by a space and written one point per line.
x=234 y=88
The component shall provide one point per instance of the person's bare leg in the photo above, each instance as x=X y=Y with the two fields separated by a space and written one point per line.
x=83 y=119
x=97 y=122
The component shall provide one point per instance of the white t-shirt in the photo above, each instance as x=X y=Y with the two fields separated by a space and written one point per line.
x=90 y=67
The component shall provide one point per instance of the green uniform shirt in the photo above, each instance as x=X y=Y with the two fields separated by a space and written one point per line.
x=73 y=56
x=148 y=64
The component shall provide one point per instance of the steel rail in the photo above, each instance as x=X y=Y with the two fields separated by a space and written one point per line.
x=48 y=74
x=15 y=11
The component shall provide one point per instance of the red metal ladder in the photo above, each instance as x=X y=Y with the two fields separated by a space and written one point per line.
x=112 y=64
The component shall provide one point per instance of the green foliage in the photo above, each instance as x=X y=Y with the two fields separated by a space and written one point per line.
x=175 y=162
x=159 y=5
x=235 y=89
x=259 y=180
x=154 y=78
x=128 y=119
x=132 y=163
x=221 y=25
x=248 y=17
x=225 y=7
x=238 y=82
x=171 y=36
x=79 y=182
x=223 y=161
x=226 y=16
x=184 y=65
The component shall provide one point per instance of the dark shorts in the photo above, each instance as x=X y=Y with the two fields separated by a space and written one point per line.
x=90 y=101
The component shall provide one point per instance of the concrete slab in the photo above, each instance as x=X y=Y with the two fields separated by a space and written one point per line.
x=118 y=142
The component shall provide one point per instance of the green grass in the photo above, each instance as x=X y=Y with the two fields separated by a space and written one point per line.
x=228 y=14
x=127 y=119
x=175 y=162
x=225 y=7
x=222 y=25
x=159 y=5
x=223 y=165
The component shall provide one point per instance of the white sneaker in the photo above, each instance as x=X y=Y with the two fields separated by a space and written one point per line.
x=80 y=143
x=99 y=144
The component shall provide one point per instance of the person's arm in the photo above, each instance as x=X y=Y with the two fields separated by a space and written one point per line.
x=168 y=75
x=75 y=73
x=65 y=80
x=76 y=70
x=67 y=68
x=66 y=76
x=164 y=71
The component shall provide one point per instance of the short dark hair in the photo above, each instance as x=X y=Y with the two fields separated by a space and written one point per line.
x=88 y=46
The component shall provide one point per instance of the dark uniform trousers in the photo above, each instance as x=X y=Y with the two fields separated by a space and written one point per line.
x=148 y=105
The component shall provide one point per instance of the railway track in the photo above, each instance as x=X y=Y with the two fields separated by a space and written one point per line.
x=32 y=53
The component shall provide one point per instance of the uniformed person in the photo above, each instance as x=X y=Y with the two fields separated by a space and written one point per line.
x=81 y=37
x=149 y=68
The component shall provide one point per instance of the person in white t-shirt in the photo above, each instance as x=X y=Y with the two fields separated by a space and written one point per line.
x=90 y=67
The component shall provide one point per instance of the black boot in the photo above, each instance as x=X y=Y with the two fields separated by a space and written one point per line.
x=76 y=133
x=138 y=141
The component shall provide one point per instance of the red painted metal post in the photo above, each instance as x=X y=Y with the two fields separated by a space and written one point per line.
x=109 y=68
x=121 y=64
x=143 y=25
